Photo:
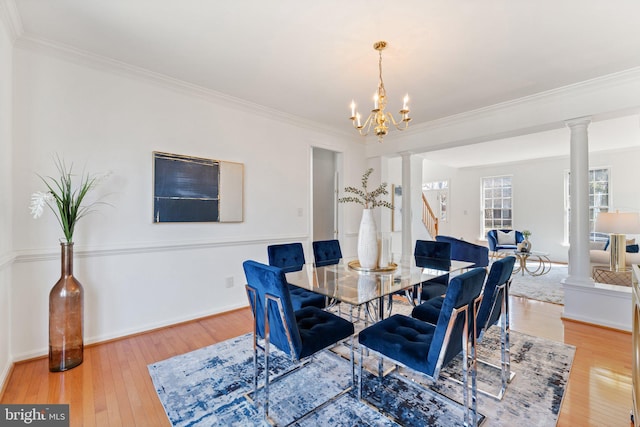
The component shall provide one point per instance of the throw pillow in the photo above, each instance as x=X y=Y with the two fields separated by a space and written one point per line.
x=508 y=238
x=633 y=249
x=630 y=244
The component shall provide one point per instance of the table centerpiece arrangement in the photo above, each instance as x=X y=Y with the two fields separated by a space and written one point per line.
x=525 y=245
x=368 y=247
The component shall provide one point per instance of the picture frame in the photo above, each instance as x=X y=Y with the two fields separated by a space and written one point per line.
x=196 y=189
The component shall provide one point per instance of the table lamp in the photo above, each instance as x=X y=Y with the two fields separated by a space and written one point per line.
x=617 y=224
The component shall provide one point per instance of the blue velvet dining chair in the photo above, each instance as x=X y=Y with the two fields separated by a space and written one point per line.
x=462 y=250
x=290 y=257
x=427 y=348
x=326 y=252
x=494 y=307
x=437 y=255
x=298 y=333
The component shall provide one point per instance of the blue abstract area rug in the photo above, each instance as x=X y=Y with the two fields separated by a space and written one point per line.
x=207 y=387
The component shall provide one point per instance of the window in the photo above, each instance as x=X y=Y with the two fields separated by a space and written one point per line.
x=497 y=210
x=599 y=200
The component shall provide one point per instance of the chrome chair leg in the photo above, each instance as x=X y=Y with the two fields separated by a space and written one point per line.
x=504 y=360
x=389 y=305
x=266 y=368
x=474 y=383
x=353 y=362
x=255 y=366
x=361 y=372
x=465 y=373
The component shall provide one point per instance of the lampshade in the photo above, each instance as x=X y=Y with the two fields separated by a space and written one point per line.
x=618 y=222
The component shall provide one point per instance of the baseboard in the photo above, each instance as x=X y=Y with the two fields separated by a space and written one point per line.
x=4 y=376
x=595 y=325
x=93 y=341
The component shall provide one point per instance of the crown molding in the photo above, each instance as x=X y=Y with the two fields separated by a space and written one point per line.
x=586 y=86
x=11 y=19
x=494 y=121
x=38 y=44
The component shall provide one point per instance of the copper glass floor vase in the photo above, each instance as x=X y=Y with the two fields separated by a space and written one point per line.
x=66 y=315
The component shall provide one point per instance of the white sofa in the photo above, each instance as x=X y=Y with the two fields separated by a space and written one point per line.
x=598 y=256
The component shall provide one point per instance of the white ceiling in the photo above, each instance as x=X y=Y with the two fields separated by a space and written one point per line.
x=309 y=59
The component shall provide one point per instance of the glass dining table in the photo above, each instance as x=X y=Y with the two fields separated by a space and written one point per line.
x=354 y=286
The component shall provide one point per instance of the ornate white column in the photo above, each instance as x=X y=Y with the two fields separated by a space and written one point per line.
x=407 y=241
x=579 y=180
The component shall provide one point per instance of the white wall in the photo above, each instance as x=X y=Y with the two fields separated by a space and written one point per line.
x=139 y=275
x=6 y=255
x=538 y=188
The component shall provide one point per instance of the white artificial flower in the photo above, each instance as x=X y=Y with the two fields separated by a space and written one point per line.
x=101 y=178
x=39 y=200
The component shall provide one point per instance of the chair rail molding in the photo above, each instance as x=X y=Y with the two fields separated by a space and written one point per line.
x=6 y=260
x=37 y=255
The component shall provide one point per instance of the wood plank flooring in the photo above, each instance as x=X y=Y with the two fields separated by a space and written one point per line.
x=599 y=389
x=112 y=387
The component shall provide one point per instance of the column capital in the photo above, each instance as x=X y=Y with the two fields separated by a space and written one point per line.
x=578 y=121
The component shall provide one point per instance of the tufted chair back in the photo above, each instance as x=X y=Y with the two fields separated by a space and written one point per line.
x=326 y=252
x=288 y=256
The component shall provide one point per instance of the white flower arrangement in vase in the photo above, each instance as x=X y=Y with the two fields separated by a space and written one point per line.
x=368 y=234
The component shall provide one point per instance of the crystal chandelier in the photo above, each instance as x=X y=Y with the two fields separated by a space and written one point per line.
x=379 y=119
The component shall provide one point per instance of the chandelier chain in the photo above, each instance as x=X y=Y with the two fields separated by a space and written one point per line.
x=381 y=90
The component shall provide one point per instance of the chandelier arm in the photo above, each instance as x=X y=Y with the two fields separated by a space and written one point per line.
x=405 y=120
x=366 y=126
x=368 y=123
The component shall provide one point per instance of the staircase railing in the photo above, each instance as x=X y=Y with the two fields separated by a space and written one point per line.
x=429 y=219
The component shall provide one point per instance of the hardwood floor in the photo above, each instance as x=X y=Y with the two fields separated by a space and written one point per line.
x=599 y=389
x=112 y=387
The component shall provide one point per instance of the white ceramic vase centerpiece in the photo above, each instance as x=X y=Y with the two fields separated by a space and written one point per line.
x=368 y=240
x=368 y=234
